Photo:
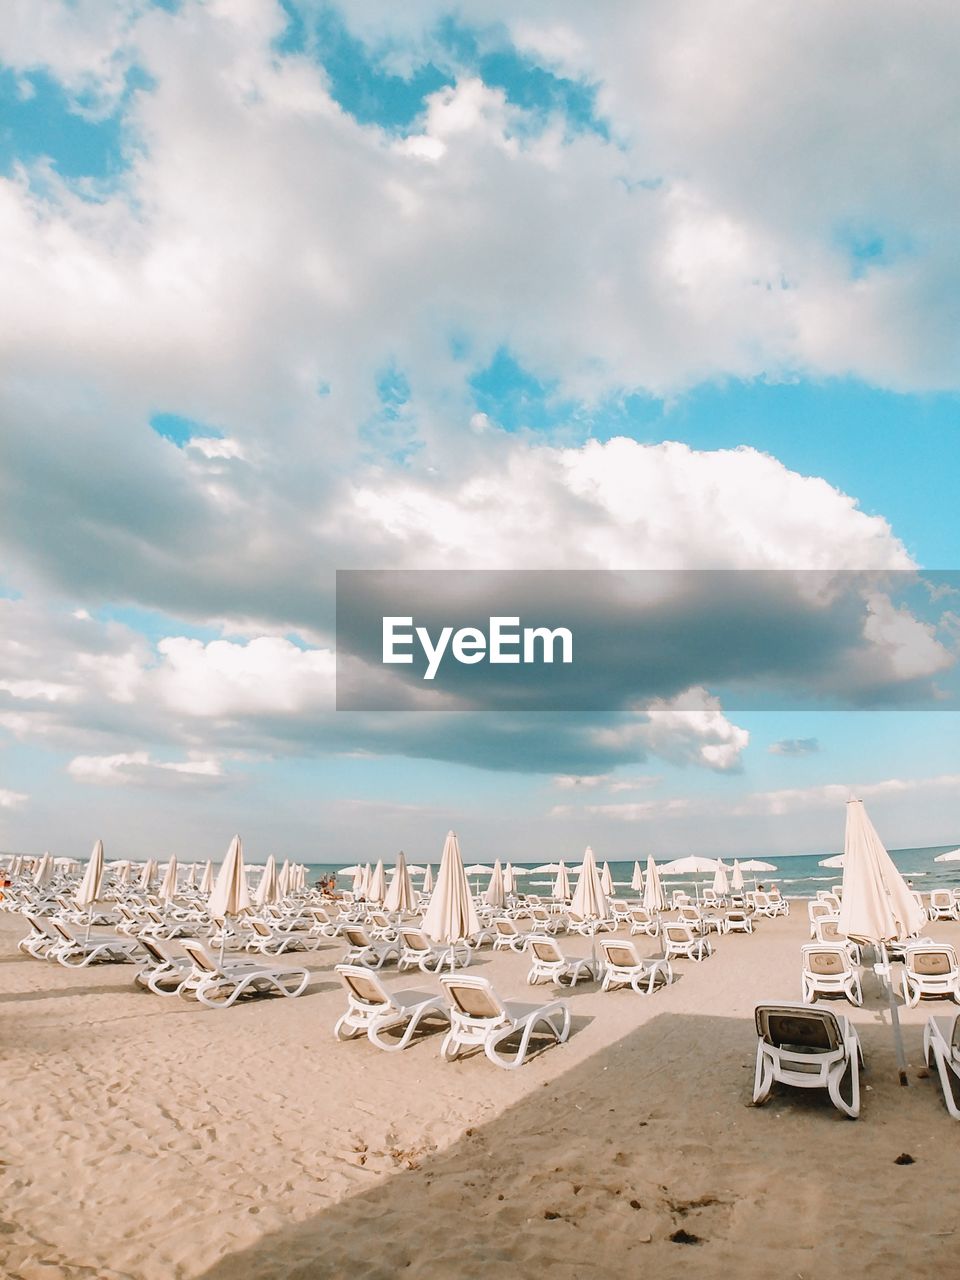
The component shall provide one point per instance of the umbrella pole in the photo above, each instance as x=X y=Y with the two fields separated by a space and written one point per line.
x=894 y=1018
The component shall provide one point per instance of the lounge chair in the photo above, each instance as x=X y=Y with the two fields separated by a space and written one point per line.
x=549 y=964
x=828 y=970
x=480 y=1019
x=819 y=909
x=544 y=921
x=623 y=967
x=588 y=927
x=680 y=940
x=271 y=942
x=416 y=950
x=361 y=949
x=943 y=905
x=827 y=929
x=42 y=940
x=506 y=936
x=161 y=971
x=941 y=1041
x=373 y=1010
x=809 y=1049
x=380 y=927
x=739 y=922
x=78 y=951
x=930 y=970
x=218 y=986
x=641 y=921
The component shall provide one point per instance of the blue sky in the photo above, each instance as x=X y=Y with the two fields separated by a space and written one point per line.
x=362 y=287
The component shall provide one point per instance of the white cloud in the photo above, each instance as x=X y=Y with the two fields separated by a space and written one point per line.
x=685 y=733
x=136 y=768
x=227 y=679
x=12 y=799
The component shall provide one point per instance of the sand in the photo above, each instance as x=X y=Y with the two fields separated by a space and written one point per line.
x=152 y=1139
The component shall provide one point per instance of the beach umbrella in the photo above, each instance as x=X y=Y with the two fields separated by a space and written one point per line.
x=495 y=894
x=428 y=880
x=92 y=883
x=835 y=861
x=123 y=873
x=720 y=885
x=876 y=905
x=451 y=914
x=952 y=856
x=689 y=866
x=377 y=885
x=606 y=879
x=16 y=866
x=268 y=890
x=561 y=886
x=654 y=899
x=206 y=880
x=283 y=880
x=754 y=864
x=230 y=896
x=736 y=883
x=148 y=874
x=589 y=899
x=44 y=872
x=192 y=876
x=400 y=895
x=636 y=880
x=367 y=878
x=548 y=868
x=509 y=879
x=168 y=890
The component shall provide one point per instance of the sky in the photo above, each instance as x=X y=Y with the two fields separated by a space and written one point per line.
x=292 y=288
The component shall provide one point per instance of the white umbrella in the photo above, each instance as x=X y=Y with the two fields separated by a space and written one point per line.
x=654 y=899
x=754 y=864
x=548 y=868
x=952 y=856
x=206 y=880
x=44 y=872
x=736 y=883
x=92 y=882
x=230 y=896
x=283 y=880
x=123 y=873
x=876 y=904
x=720 y=885
x=509 y=879
x=428 y=880
x=16 y=866
x=561 y=886
x=689 y=866
x=606 y=879
x=589 y=900
x=168 y=890
x=365 y=880
x=377 y=887
x=357 y=886
x=400 y=895
x=495 y=895
x=636 y=880
x=268 y=890
x=148 y=874
x=451 y=914
x=192 y=876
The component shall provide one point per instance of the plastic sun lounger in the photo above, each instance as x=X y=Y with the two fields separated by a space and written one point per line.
x=932 y=971
x=218 y=986
x=372 y=1010
x=680 y=940
x=809 y=1049
x=162 y=971
x=941 y=1042
x=641 y=921
x=549 y=964
x=418 y=951
x=361 y=949
x=506 y=935
x=828 y=970
x=270 y=942
x=623 y=967
x=77 y=952
x=480 y=1019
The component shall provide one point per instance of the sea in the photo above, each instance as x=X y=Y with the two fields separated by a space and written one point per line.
x=796 y=875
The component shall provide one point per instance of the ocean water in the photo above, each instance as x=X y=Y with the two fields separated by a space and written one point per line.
x=797 y=875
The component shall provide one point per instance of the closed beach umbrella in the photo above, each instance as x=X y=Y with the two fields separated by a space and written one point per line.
x=268 y=890
x=561 y=886
x=283 y=880
x=357 y=881
x=148 y=874
x=168 y=890
x=451 y=914
x=367 y=878
x=192 y=876
x=636 y=880
x=606 y=879
x=230 y=896
x=509 y=879
x=16 y=866
x=720 y=885
x=123 y=873
x=736 y=881
x=400 y=896
x=300 y=882
x=654 y=899
x=206 y=880
x=377 y=888
x=44 y=872
x=495 y=895
x=92 y=882
x=428 y=880
x=589 y=900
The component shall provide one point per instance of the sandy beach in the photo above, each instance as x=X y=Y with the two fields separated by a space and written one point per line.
x=150 y=1139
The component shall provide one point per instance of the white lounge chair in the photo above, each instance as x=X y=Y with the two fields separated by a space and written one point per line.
x=372 y=1010
x=641 y=921
x=219 y=986
x=827 y=929
x=828 y=970
x=624 y=967
x=416 y=950
x=930 y=970
x=941 y=1041
x=506 y=935
x=271 y=942
x=739 y=922
x=79 y=950
x=161 y=971
x=809 y=1049
x=680 y=940
x=549 y=964
x=943 y=905
x=361 y=949
x=480 y=1019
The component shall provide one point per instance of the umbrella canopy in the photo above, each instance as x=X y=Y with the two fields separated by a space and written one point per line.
x=148 y=874
x=589 y=900
x=400 y=895
x=92 y=881
x=720 y=884
x=168 y=890
x=561 y=886
x=952 y=856
x=268 y=890
x=876 y=904
x=548 y=868
x=478 y=869
x=636 y=880
x=206 y=880
x=736 y=883
x=754 y=864
x=654 y=899
x=509 y=879
x=44 y=872
x=230 y=896
x=606 y=879
x=16 y=866
x=451 y=914
x=377 y=886
x=428 y=880
x=689 y=866
x=192 y=876
x=495 y=895
x=283 y=880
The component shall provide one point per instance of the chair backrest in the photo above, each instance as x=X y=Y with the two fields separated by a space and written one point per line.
x=379 y=919
x=819 y=908
x=690 y=914
x=794 y=1027
x=941 y=898
x=415 y=940
x=64 y=930
x=621 y=954
x=260 y=928
x=506 y=927
x=365 y=987
x=828 y=930
x=356 y=936
x=200 y=956
x=640 y=915
x=539 y=913
x=545 y=949
x=826 y=962
x=473 y=997
x=932 y=962
x=152 y=950
x=678 y=932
